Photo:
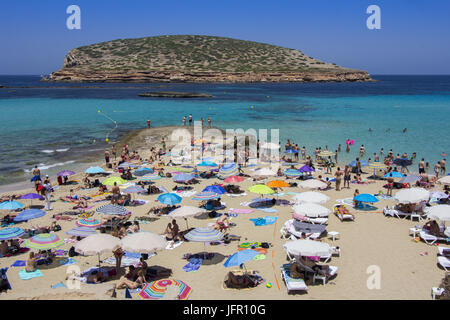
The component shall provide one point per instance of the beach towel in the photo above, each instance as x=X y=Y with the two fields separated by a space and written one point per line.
x=58 y=285
x=176 y=244
x=240 y=211
x=236 y=194
x=268 y=210
x=264 y=221
x=260 y=257
x=24 y=275
x=66 y=261
x=19 y=263
x=193 y=265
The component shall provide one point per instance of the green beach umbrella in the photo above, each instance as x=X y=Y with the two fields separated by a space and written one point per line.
x=261 y=189
x=110 y=181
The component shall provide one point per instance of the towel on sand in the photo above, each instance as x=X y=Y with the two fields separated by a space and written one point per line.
x=264 y=221
x=19 y=263
x=193 y=265
x=24 y=275
x=66 y=261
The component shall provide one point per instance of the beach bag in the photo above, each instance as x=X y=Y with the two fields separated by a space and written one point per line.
x=265 y=245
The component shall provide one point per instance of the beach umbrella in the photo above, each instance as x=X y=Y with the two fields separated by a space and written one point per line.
x=94 y=170
x=29 y=214
x=65 y=173
x=445 y=180
x=277 y=184
x=233 y=179
x=31 y=196
x=363 y=163
x=261 y=189
x=366 y=197
x=207 y=164
x=89 y=223
x=81 y=232
x=306 y=168
x=143 y=242
x=410 y=179
x=97 y=244
x=394 y=174
x=439 y=212
x=240 y=257
x=169 y=198
x=292 y=173
x=326 y=153
x=307 y=248
x=312 y=210
x=150 y=177
x=127 y=165
x=228 y=170
x=311 y=196
x=201 y=196
x=377 y=165
x=10 y=205
x=134 y=189
x=156 y=289
x=44 y=241
x=403 y=162
x=110 y=181
x=184 y=169
x=142 y=172
x=215 y=189
x=112 y=209
x=412 y=195
x=204 y=235
x=264 y=172
x=186 y=212
x=10 y=233
x=291 y=151
x=182 y=177
x=312 y=184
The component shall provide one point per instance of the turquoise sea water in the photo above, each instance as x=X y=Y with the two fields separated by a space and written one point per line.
x=56 y=127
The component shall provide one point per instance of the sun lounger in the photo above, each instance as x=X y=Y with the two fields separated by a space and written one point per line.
x=340 y=215
x=429 y=238
x=443 y=251
x=395 y=213
x=291 y=283
x=444 y=262
x=290 y=230
x=319 y=274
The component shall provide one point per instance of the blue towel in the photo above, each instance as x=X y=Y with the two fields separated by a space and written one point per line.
x=19 y=263
x=24 y=275
x=193 y=265
x=66 y=261
x=58 y=285
x=132 y=255
x=264 y=221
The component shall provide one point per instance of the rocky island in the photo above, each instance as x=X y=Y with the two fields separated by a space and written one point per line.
x=199 y=59
x=172 y=94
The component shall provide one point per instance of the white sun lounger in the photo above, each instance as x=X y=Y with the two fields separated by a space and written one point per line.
x=342 y=217
x=318 y=220
x=291 y=283
x=444 y=262
x=442 y=253
x=429 y=238
x=290 y=229
x=395 y=213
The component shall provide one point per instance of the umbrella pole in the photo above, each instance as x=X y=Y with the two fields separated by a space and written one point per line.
x=187 y=227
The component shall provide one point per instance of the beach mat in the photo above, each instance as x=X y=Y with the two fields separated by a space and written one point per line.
x=19 y=263
x=24 y=275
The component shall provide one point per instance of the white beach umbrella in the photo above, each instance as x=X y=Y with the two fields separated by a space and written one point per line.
x=445 y=180
x=264 y=172
x=412 y=195
x=186 y=212
x=312 y=210
x=307 y=248
x=439 y=212
x=311 y=197
x=312 y=184
x=143 y=242
x=97 y=244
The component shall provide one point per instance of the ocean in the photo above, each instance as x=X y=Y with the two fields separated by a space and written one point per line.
x=58 y=126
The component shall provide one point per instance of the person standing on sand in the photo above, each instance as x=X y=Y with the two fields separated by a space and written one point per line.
x=36 y=174
x=107 y=157
x=148 y=123
x=115 y=193
x=437 y=169
x=190 y=120
x=347 y=175
x=209 y=122
x=48 y=194
x=422 y=166
x=390 y=185
x=338 y=175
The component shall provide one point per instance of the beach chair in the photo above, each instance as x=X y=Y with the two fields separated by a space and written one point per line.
x=319 y=274
x=443 y=251
x=444 y=262
x=395 y=213
x=436 y=292
x=340 y=215
x=291 y=283
x=429 y=238
x=317 y=220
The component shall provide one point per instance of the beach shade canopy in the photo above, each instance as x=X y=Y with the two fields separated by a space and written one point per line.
x=10 y=205
x=311 y=197
x=185 y=212
x=201 y=196
x=404 y=162
x=312 y=184
x=277 y=184
x=110 y=181
x=150 y=177
x=94 y=170
x=143 y=242
x=261 y=189
x=306 y=168
x=128 y=165
x=412 y=195
x=89 y=223
x=65 y=173
x=182 y=177
x=10 y=233
x=366 y=197
x=364 y=163
x=81 y=232
x=410 y=179
x=292 y=173
x=312 y=210
x=264 y=172
x=207 y=164
x=377 y=165
x=112 y=209
x=142 y=172
x=240 y=257
x=133 y=189
x=31 y=196
x=215 y=188
x=233 y=179
x=439 y=212
x=29 y=215
x=97 y=244
x=307 y=248
x=204 y=235
x=394 y=174
x=445 y=180
x=169 y=198
x=326 y=153
x=228 y=170
x=156 y=289
x=44 y=241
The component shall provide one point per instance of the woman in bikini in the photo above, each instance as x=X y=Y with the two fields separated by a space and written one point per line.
x=126 y=283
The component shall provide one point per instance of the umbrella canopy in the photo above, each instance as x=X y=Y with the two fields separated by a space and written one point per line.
x=445 y=180
x=404 y=162
x=89 y=223
x=143 y=242
x=233 y=179
x=306 y=168
x=394 y=174
x=97 y=244
x=128 y=165
x=311 y=196
x=215 y=189
x=10 y=205
x=185 y=212
x=133 y=189
x=31 y=196
x=312 y=210
x=150 y=177
x=10 y=233
x=291 y=151
x=29 y=215
x=169 y=198
x=312 y=184
x=81 y=232
x=240 y=257
x=183 y=177
x=377 y=165
x=110 y=181
x=94 y=170
x=412 y=195
x=204 y=235
x=157 y=289
x=65 y=173
x=326 y=153
x=207 y=164
x=363 y=163
x=307 y=248
x=44 y=241
x=277 y=184
x=292 y=173
x=206 y=196
x=410 y=179
x=228 y=170
x=261 y=189
x=112 y=209
x=439 y=212
x=142 y=172
x=264 y=172
x=366 y=197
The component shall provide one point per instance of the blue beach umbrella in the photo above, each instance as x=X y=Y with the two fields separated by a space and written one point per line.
x=94 y=170
x=206 y=196
x=292 y=173
x=10 y=205
x=228 y=170
x=207 y=164
x=394 y=174
x=215 y=189
x=142 y=172
x=29 y=215
x=240 y=257
x=169 y=198
x=366 y=197
x=10 y=233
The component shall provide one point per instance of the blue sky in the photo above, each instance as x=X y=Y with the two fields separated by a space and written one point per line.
x=414 y=36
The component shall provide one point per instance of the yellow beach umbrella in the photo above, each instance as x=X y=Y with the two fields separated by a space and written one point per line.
x=261 y=189
x=326 y=153
x=110 y=181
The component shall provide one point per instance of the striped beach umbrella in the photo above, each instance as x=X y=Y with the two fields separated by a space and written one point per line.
x=150 y=177
x=182 y=177
x=133 y=189
x=206 y=196
x=156 y=289
x=110 y=181
x=228 y=170
x=377 y=165
x=204 y=235
x=89 y=223
x=112 y=209
x=11 y=233
x=94 y=170
x=44 y=241
x=169 y=198
x=29 y=215
x=81 y=232
x=10 y=205
x=292 y=173
x=326 y=153
x=142 y=172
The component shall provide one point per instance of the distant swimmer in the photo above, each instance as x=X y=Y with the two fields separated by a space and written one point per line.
x=404 y=130
x=388 y=130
